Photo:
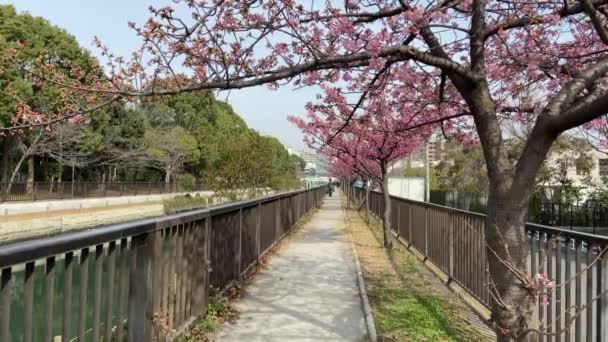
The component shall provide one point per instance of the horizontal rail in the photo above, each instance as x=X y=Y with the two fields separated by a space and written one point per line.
x=531 y=226
x=454 y=241
x=141 y=280
x=28 y=250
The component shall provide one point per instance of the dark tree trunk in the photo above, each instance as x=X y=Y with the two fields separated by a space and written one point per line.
x=367 y=199
x=510 y=188
x=29 y=189
x=6 y=149
x=506 y=237
x=45 y=169
x=507 y=243
x=386 y=217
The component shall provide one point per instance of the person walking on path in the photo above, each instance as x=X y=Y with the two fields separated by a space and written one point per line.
x=330 y=188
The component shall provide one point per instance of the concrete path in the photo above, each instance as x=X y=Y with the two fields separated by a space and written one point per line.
x=309 y=292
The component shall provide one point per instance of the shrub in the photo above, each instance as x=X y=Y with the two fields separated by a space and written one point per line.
x=184 y=203
x=186 y=182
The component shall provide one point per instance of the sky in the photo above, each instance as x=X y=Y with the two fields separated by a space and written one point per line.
x=262 y=109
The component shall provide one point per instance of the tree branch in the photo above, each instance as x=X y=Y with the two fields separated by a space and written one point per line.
x=597 y=22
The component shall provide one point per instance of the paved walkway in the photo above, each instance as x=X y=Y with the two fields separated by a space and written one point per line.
x=309 y=292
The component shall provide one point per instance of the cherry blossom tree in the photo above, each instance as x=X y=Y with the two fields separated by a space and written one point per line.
x=485 y=62
x=365 y=141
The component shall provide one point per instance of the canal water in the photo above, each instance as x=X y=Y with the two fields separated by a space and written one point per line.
x=39 y=309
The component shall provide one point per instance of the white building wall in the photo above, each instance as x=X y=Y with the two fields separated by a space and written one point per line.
x=407 y=187
x=596 y=174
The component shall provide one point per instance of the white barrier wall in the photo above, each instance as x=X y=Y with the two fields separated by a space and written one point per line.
x=407 y=187
x=16 y=208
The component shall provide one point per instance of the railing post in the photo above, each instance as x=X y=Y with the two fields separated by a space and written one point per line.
x=258 y=224
x=290 y=212
x=144 y=280
x=5 y=299
x=299 y=202
x=237 y=256
x=207 y=261
x=451 y=246
x=398 y=209
x=426 y=232
x=277 y=220
x=409 y=224
x=602 y=303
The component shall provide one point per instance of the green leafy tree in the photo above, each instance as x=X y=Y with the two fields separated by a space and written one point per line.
x=27 y=41
x=168 y=150
x=463 y=170
x=251 y=161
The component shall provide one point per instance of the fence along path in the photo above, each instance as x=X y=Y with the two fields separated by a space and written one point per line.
x=37 y=191
x=140 y=280
x=454 y=241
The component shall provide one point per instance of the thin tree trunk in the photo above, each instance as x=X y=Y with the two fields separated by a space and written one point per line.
x=168 y=179
x=6 y=149
x=367 y=199
x=29 y=189
x=386 y=217
x=45 y=168
x=73 y=171
x=14 y=173
x=23 y=157
x=103 y=181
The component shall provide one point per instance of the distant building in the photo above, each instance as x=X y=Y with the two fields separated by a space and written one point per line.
x=310 y=158
x=293 y=151
x=436 y=153
x=596 y=176
x=315 y=164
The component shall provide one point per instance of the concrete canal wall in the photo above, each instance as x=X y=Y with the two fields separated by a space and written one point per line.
x=27 y=220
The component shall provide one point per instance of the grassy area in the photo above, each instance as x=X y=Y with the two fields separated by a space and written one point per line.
x=189 y=202
x=405 y=304
x=218 y=311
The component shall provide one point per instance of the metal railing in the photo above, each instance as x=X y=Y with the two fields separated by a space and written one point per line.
x=590 y=216
x=138 y=281
x=454 y=241
x=65 y=190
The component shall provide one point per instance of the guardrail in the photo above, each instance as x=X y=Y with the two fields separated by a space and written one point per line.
x=142 y=280
x=64 y=190
x=454 y=241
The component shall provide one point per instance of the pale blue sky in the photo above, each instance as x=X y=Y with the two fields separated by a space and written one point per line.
x=264 y=110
